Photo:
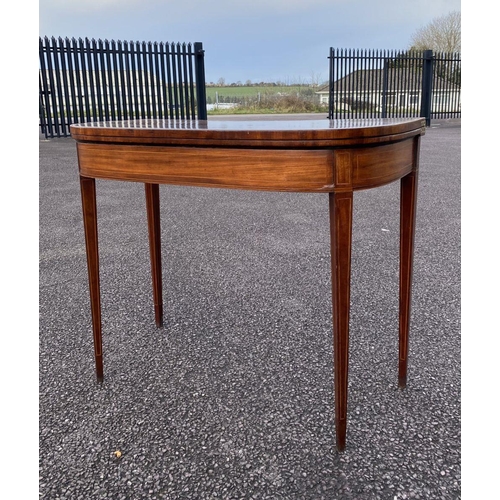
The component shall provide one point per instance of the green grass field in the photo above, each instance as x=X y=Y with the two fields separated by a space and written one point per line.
x=265 y=99
x=233 y=91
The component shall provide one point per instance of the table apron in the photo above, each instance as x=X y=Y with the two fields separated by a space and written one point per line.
x=301 y=170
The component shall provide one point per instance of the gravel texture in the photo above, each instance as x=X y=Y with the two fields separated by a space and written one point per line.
x=233 y=398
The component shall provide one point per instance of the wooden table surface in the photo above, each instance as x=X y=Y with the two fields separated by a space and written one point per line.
x=335 y=157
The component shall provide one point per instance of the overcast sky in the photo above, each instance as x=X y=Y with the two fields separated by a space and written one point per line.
x=257 y=40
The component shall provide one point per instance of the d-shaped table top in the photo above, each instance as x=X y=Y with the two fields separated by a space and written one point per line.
x=330 y=156
x=274 y=155
x=257 y=133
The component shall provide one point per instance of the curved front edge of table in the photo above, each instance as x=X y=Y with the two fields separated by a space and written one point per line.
x=312 y=159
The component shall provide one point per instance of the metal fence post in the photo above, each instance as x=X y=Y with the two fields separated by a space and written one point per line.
x=385 y=87
x=426 y=102
x=199 y=69
x=330 y=88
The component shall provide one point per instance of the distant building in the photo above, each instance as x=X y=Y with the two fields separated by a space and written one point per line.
x=392 y=87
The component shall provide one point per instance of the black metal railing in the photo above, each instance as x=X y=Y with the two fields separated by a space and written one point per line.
x=381 y=83
x=88 y=80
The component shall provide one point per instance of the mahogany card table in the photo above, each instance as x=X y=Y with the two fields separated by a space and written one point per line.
x=333 y=158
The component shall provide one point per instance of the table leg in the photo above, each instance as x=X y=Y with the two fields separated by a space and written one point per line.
x=340 y=248
x=407 y=237
x=89 y=206
x=153 y=211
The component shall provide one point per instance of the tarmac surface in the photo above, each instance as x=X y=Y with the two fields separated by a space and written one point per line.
x=233 y=398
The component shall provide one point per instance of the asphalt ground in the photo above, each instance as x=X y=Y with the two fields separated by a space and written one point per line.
x=233 y=398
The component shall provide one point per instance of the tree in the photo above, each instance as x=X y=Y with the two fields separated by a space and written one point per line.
x=443 y=34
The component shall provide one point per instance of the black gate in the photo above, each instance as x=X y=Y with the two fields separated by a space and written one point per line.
x=88 y=80
x=380 y=83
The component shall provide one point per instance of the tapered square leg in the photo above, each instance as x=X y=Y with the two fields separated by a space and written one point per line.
x=154 y=230
x=407 y=238
x=89 y=206
x=340 y=204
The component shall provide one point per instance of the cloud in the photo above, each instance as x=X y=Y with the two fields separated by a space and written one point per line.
x=209 y=8
x=87 y=5
x=248 y=38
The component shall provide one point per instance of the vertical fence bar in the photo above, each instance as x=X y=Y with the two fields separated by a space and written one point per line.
x=390 y=86
x=148 y=73
x=171 y=93
x=164 y=80
x=365 y=76
x=414 y=70
x=335 y=84
x=357 y=80
x=361 y=83
x=119 y=80
x=405 y=83
x=109 y=79
x=377 y=80
x=385 y=83
x=437 y=78
x=91 y=70
x=140 y=87
x=457 y=81
x=445 y=84
x=182 y=80
x=45 y=117
x=201 y=95
x=157 y=81
x=64 y=56
x=179 y=112
x=349 y=82
x=78 y=79
x=179 y=80
x=449 y=85
x=72 y=81
x=399 y=74
x=99 y=114
x=411 y=83
x=425 y=106
x=372 y=81
x=152 y=86
x=59 y=108
x=343 y=83
x=174 y=81
x=103 y=81
x=189 y=83
x=41 y=107
x=85 y=87
x=135 y=81
x=368 y=84
x=116 y=79
x=56 y=88
x=192 y=101
x=185 y=80
x=135 y=89
x=41 y=110
x=330 y=84
x=52 y=92
x=129 y=90
x=380 y=83
x=147 y=97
